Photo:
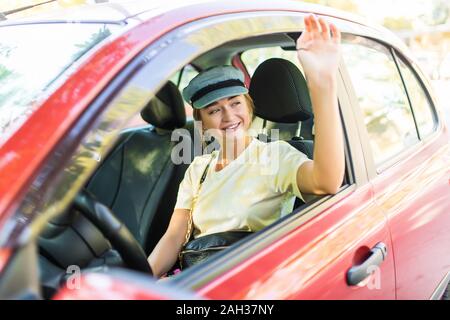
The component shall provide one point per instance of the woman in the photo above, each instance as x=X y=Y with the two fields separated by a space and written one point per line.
x=240 y=191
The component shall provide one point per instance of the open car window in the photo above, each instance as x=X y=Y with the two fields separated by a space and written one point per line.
x=253 y=57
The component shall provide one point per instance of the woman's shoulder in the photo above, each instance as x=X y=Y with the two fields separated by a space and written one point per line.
x=262 y=142
x=278 y=150
x=204 y=157
x=270 y=146
x=202 y=160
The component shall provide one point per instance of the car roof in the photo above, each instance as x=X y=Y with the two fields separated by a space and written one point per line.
x=123 y=11
x=114 y=11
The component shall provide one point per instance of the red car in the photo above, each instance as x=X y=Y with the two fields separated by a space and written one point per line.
x=91 y=111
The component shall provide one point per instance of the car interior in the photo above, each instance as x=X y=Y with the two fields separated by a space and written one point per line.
x=136 y=184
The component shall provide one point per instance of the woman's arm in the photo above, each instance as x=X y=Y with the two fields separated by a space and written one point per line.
x=319 y=54
x=165 y=254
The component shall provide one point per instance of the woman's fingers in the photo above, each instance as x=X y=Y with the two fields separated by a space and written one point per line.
x=325 y=30
x=335 y=33
x=315 y=28
x=318 y=28
x=307 y=24
x=306 y=36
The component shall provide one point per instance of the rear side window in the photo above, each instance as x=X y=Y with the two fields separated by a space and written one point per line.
x=184 y=76
x=182 y=79
x=381 y=96
x=254 y=57
x=420 y=103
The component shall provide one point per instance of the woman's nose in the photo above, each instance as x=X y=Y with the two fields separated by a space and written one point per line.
x=227 y=114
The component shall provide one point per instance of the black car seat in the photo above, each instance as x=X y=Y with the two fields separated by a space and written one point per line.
x=138 y=180
x=281 y=95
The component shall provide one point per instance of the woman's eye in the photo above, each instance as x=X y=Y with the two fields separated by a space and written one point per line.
x=235 y=103
x=213 y=111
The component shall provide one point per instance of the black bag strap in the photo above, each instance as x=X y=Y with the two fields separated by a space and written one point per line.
x=194 y=200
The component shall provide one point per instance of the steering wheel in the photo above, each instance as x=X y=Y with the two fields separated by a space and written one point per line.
x=113 y=230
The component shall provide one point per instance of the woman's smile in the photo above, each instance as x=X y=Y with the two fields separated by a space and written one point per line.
x=231 y=127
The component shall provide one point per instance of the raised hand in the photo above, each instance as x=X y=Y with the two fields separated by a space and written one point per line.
x=318 y=48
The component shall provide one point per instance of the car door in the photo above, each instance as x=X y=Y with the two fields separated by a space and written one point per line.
x=313 y=260
x=422 y=228
x=408 y=148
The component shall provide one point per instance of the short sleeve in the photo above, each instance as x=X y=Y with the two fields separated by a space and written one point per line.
x=190 y=183
x=186 y=190
x=286 y=161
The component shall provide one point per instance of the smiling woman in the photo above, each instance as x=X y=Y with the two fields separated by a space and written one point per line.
x=25 y=78
x=210 y=120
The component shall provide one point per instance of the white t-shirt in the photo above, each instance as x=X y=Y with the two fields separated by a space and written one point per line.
x=251 y=192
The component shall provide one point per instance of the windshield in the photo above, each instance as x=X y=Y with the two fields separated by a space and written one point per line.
x=32 y=57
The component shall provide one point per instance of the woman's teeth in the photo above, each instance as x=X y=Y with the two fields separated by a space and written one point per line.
x=234 y=126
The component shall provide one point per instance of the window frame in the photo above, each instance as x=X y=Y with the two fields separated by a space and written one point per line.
x=399 y=57
x=373 y=169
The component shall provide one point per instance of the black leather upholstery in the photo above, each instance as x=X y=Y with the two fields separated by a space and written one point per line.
x=166 y=110
x=114 y=230
x=138 y=180
x=280 y=93
x=305 y=146
x=71 y=239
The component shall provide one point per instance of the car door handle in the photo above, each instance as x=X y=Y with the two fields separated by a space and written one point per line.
x=358 y=273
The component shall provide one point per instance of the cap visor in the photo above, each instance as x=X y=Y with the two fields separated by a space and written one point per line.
x=216 y=95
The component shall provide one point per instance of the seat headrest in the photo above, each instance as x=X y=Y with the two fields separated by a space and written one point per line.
x=279 y=92
x=166 y=109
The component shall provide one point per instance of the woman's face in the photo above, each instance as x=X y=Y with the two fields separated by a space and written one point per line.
x=226 y=119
